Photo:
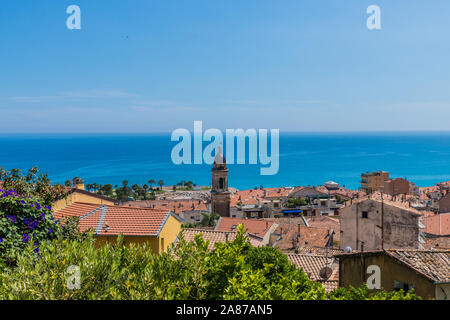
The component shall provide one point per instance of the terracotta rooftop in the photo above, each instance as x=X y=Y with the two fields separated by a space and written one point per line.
x=324 y=222
x=312 y=264
x=341 y=191
x=309 y=237
x=115 y=220
x=255 y=196
x=258 y=227
x=214 y=236
x=389 y=200
x=434 y=265
x=176 y=206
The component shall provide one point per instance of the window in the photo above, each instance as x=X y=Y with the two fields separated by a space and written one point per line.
x=221 y=183
x=365 y=214
x=399 y=285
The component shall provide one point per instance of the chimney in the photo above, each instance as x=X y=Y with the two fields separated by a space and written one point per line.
x=78 y=183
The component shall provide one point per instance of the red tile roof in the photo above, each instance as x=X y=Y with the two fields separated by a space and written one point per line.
x=255 y=196
x=115 y=220
x=312 y=264
x=176 y=206
x=309 y=237
x=258 y=227
x=324 y=222
x=214 y=236
x=434 y=265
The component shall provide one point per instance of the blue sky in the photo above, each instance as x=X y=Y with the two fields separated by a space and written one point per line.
x=153 y=65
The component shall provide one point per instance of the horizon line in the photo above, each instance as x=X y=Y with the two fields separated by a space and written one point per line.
x=281 y=131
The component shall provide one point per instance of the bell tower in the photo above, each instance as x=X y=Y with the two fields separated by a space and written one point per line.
x=220 y=196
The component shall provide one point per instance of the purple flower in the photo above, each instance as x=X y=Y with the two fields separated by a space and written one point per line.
x=1 y=239
x=25 y=238
x=36 y=250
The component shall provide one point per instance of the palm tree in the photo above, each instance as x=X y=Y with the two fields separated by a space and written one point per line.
x=145 y=187
x=161 y=183
x=107 y=190
x=151 y=182
x=68 y=183
x=137 y=189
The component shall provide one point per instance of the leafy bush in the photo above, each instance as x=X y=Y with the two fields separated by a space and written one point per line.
x=362 y=293
x=233 y=270
x=188 y=271
x=23 y=219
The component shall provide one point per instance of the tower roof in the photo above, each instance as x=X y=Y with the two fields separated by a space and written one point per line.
x=219 y=158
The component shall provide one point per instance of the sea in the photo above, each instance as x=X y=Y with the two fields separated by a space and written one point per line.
x=305 y=158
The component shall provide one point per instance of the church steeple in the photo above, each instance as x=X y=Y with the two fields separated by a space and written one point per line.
x=220 y=196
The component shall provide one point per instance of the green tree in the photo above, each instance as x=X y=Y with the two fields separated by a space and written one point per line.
x=145 y=187
x=32 y=185
x=107 y=190
x=209 y=220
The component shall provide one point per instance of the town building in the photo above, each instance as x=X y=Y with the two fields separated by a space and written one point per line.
x=375 y=223
x=394 y=187
x=444 y=203
x=190 y=210
x=220 y=196
x=261 y=228
x=437 y=224
x=77 y=193
x=158 y=229
x=425 y=271
x=374 y=181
